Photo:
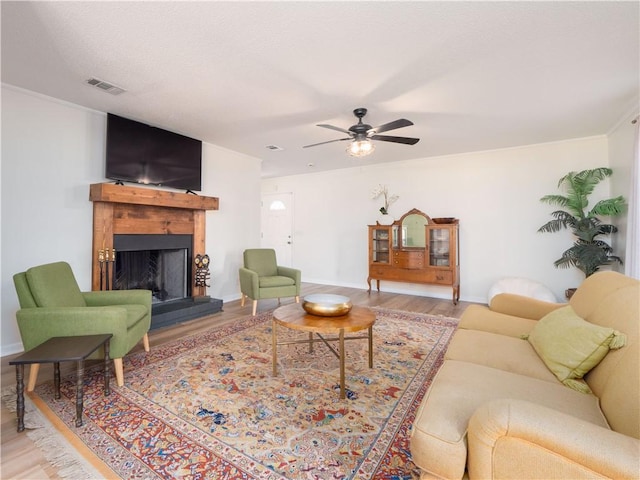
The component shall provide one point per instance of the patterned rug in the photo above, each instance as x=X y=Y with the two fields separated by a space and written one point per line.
x=207 y=406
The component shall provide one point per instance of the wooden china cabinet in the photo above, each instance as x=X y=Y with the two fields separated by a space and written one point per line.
x=416 y=249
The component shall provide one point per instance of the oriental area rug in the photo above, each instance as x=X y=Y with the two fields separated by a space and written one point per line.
x=208 y=407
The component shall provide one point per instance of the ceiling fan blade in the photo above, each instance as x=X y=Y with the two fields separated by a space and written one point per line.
x=402 y=122
x=330 y=141
x=388 y=138
x=337 y=129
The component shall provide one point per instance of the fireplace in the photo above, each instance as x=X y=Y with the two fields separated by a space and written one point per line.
x=160 y=263
x=156 y=235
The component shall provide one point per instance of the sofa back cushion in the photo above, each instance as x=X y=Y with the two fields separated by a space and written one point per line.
x=54 y=285
x=616 y=380
x=595 y=289
x=262 y=261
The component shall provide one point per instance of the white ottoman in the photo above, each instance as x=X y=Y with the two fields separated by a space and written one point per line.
x=521 y=286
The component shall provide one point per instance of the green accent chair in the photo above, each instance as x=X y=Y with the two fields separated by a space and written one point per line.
x=52 y=305
x=261 y=277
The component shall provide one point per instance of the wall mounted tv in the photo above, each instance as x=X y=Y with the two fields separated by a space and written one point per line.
x=140 y=153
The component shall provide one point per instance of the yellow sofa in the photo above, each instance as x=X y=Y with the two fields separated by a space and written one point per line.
x=495 y=410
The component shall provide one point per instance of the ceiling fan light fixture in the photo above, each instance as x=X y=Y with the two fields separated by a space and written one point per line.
x=361 y=148
x=361 y=135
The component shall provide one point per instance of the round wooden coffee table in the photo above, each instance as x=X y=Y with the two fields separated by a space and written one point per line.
x=294 y=317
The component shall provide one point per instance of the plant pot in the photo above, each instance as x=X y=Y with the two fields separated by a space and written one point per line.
x=385 y=219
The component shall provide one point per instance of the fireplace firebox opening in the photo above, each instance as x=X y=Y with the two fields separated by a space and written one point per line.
x=160 y=263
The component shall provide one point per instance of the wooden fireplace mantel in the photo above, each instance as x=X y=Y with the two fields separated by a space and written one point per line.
x=120 y=209
x=109 y=192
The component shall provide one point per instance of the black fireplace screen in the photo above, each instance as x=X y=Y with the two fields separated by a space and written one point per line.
x=161 y=271
x=162 y=265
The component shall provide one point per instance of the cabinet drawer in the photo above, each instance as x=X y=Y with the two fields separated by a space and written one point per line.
x=408 y=259
x=389 y=273
x=444 y=277
x=378 y=272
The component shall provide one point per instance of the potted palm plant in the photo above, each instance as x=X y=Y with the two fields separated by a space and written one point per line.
x=589 y=251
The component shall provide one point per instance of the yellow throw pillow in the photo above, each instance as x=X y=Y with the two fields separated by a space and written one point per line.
x=570 y=346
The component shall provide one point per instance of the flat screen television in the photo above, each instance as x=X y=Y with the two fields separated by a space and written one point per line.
x=140 y=153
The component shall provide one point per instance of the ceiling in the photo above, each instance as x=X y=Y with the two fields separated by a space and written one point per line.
x=244 y=75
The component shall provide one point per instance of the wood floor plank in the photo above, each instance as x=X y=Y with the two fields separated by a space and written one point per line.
x=19 y=457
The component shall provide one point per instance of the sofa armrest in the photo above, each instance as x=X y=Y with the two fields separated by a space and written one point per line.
x=249 y=283
x=293 y=273
x=521 y=306
x=518 y=439
x=39 y=324
x=118 y=297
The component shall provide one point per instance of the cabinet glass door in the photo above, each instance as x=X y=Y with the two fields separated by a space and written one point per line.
x=380 y=245
x=439 y=247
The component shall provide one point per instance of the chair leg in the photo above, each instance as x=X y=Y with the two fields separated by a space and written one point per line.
x=242 y=298
x=145 y=342
x=297 y=298
x=119 y=370
x=255 y=307
x=33 y=376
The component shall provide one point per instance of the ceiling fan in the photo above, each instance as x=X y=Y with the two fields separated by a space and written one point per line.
x=361 y=134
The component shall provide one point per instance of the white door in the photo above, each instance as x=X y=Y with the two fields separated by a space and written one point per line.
x=277 y=225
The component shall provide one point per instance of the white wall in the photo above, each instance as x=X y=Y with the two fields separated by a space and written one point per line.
x=235 y=179
x=51 y=152
x=495 y=194
x=621 y=142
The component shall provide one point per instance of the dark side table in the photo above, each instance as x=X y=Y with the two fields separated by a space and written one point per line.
x=62 y=349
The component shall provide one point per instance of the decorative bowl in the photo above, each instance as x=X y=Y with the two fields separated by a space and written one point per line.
x=443 y=220
x=326 y=305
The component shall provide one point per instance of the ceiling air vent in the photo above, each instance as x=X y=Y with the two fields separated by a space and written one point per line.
x=105 y=86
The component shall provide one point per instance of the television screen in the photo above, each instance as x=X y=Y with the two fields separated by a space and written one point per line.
x=140 y=153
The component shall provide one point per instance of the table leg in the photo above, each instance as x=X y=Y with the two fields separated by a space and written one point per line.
x=274 y=347
x=20 y=394
x=341 y=339
x=79 y=392
x=371 y=346
x=56 y=379
x=310 y=342
x=107 y=390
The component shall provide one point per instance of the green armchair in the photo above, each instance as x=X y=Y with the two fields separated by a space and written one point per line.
x=52 y=305
x=261 y=277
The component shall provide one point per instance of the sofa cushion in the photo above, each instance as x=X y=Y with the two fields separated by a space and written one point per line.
x=262 y=261
x=521 y=306
x=506 y=353
x=479 y=317
x=595 y=289
x=438 y=437
x=275 y=281
x=54 y=285
x=571 y=346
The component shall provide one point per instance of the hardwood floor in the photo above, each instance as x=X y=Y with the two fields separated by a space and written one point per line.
x=21 y=459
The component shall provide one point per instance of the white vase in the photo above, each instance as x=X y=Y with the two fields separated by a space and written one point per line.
x=385 y=219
